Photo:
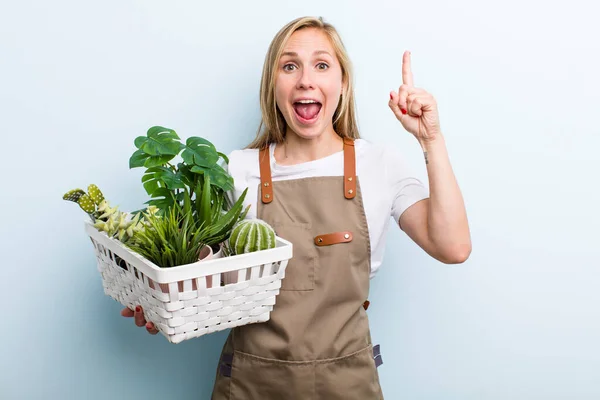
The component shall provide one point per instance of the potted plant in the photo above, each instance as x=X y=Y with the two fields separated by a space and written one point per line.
x=150 y=257
x=197 y=183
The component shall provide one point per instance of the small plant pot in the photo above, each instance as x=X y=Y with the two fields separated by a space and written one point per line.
x=206 y=253
x=229 y=277
x=217 y=251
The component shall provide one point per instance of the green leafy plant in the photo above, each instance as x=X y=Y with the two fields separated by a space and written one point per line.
x=197 y=185
x=171 y=240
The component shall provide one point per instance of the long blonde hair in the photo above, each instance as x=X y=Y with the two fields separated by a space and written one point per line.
x=272 y=126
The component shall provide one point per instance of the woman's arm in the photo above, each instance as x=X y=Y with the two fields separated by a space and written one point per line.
x=439 y=224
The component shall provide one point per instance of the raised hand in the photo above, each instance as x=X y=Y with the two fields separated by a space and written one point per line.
x=415 y=108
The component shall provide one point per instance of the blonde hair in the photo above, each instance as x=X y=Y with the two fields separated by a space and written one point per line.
x=272 y=126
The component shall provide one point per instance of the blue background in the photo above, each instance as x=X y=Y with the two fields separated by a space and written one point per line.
x=516 y=84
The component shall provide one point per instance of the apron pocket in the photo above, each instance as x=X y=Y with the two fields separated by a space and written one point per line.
x=301 y=269
x=352 y=377
x=257 y=378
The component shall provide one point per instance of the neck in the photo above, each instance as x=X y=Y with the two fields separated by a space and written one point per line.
x=296 y=150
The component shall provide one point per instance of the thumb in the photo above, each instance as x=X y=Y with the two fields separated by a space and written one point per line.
x=394 y=106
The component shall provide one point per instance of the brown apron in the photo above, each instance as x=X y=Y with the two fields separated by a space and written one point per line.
x=317 y=343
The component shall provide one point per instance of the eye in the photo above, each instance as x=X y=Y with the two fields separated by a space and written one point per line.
x=322 y=66
x=289 y=67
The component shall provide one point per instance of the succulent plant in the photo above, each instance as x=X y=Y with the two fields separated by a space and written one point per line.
x=106 y=218
x=85 y=201
x=251 y=235
x=120 y=226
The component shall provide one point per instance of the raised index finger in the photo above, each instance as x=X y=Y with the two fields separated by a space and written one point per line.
x=407 y=76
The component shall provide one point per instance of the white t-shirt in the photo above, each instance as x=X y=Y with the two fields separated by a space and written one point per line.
x=387 y=185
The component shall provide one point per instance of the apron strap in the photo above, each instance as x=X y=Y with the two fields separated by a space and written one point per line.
x=266 y=184
x=349 y=169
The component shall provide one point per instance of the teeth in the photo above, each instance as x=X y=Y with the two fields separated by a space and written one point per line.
x=306 y=101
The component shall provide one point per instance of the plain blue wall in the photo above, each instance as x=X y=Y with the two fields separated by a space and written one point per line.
x=517 y=86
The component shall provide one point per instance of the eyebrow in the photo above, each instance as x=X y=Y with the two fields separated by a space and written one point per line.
x=294 y=54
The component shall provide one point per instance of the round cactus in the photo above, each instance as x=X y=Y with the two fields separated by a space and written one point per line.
x=251 y=235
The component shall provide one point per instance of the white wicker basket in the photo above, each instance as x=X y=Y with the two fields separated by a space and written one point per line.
x=182 y=301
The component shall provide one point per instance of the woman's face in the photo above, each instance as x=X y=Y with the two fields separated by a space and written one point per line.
x=308 y=83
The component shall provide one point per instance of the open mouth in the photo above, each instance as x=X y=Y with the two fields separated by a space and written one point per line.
x=307 y=111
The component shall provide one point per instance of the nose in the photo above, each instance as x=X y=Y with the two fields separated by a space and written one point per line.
x=305 y=80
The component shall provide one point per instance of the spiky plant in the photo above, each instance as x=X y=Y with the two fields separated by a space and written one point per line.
x=105 y=218
x=171 y=240
x=251 y=235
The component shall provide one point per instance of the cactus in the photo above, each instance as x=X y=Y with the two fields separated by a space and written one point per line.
x=87 y=204
x=251 y=235
x=106 y=218
x=83 y=199
x=95 y=194
x=73 y=195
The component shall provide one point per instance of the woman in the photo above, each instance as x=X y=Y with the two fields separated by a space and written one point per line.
x=331 y=194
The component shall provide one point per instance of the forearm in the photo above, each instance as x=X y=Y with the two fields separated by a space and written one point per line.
x=447 y=225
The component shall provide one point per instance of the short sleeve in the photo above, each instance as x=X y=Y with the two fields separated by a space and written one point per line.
x=228 y=193
x=405 y=187
x=241 y=163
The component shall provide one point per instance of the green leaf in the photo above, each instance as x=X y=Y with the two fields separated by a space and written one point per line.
x=137 y=159
x=224 y=157
x=226 y=222
x=205 y=203
x=155 y=161
x=162 y=198
x=172 y=180
x=152 y=181
x=73 y=195
x=159 y=141
x=199 y=151
x=161 y=177
x=217 y=206
x=187 y=203
x=244 y=213
x=141 y=159
x=95 y=193
x=87 y=204
x=218 y=176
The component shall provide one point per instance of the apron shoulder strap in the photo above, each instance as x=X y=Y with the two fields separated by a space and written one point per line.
x=349 y=169
x=266 y=184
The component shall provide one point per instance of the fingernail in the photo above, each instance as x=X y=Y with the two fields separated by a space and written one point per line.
x=391 y=97
x=403 y=110
x=138 y=308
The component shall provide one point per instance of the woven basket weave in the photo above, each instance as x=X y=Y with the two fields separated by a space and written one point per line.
x=192 y=300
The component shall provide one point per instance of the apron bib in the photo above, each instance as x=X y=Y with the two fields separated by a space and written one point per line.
x=317 y=343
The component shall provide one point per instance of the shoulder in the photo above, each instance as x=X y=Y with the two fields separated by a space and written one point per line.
x=370 y=155
x=242 y=160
